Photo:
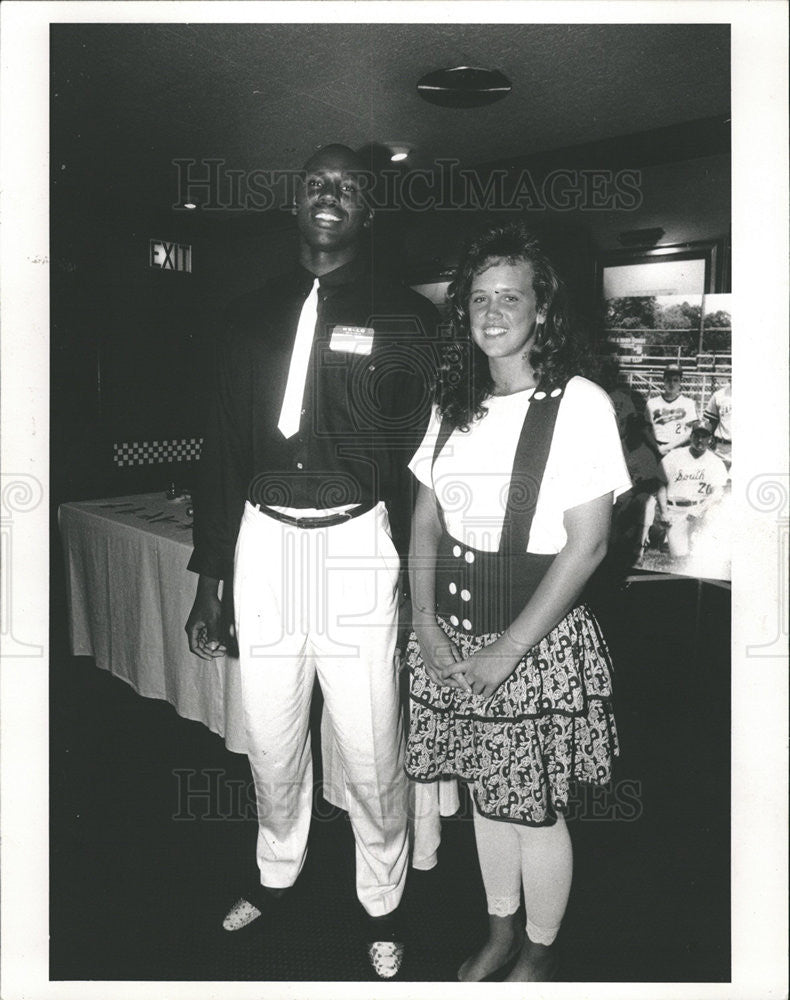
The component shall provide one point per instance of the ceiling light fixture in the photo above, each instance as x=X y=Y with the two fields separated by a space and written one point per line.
x=463 y=87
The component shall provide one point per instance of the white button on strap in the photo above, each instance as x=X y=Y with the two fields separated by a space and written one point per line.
x=465 y=595
x=453 y=620
x=470 y=557
x=539 y=395
x=555 y=392
x=467 y=624
x=453 y=589
x=456 y=550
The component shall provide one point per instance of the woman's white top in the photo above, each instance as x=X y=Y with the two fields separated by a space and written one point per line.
x=472 y=475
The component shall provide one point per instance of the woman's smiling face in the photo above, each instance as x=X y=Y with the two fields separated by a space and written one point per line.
x=503 y=309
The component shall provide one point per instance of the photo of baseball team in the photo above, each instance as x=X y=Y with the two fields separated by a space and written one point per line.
x=678 y=450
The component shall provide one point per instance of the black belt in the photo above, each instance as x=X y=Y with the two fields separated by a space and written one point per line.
x=684 y=503
x=318 y=522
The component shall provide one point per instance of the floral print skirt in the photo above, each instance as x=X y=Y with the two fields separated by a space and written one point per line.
x=548 y=725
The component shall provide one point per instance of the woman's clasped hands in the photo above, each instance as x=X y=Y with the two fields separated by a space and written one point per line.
x=480 y=674
x=440 y=657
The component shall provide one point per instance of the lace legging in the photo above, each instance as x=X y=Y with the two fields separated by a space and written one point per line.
x=538 y=859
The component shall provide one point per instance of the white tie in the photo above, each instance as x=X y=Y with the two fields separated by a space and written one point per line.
x=291 y=412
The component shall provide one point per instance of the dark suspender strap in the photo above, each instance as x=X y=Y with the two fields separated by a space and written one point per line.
x=445 y=431
x=529 y=465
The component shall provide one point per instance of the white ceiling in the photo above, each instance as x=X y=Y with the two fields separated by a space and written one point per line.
x=129 y=98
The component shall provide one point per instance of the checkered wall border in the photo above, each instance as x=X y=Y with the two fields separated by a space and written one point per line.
x=156 y=452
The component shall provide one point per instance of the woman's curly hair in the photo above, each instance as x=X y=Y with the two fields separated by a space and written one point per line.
x=464 y=379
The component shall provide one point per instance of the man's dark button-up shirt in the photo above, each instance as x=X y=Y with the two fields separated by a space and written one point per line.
x=365 y=407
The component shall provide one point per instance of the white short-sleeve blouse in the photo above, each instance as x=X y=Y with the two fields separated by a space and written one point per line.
x=472 y=475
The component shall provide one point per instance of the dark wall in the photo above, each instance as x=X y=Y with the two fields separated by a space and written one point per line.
x=131 y=345
x=128 y=351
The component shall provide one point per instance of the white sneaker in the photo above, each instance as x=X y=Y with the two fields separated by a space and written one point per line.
x=241 y=914
x=386 y=958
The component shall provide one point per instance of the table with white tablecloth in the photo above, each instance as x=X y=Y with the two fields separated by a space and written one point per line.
x=129 y=594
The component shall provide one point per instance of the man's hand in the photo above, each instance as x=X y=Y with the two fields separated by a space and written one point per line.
x=204 y=625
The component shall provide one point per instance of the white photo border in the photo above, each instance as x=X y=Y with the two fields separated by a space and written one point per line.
x=760 y=485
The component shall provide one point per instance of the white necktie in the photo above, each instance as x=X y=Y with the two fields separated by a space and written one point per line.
x=291 y=412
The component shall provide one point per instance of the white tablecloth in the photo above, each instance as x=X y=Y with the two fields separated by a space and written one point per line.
x=129 y=594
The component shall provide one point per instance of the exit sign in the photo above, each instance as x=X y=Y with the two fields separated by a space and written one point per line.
x=170 y=256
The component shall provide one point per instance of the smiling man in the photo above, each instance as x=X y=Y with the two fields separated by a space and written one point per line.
x=323 y=384
x=670 y=415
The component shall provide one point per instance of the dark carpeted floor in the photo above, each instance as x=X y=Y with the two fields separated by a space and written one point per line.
x=138 y=889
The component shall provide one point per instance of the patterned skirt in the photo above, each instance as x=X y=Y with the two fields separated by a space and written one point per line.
x=548 y=725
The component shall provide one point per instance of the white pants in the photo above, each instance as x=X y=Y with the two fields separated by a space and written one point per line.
x=323 y=601
x=680 y=529
x=428 y=802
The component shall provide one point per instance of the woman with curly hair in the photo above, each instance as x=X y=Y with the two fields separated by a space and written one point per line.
x=510 y=676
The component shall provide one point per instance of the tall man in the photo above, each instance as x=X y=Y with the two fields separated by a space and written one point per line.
x=322 y=392
x=670 y=415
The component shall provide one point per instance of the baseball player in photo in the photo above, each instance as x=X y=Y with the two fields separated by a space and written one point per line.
x=717 y=414
x=693 y=483
x=620 y=395
x=623 y=404
x=635 y=509
x=670 y=415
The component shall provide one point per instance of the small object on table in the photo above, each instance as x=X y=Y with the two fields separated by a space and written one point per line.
x=171 y=493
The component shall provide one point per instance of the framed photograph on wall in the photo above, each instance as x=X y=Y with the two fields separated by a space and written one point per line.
x=666 y=361
x=698 y=267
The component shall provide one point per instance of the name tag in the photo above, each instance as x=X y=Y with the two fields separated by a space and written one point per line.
x=352 y=339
